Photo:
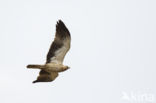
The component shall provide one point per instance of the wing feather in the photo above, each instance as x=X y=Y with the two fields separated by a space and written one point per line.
x=60 y=45
x=46 y=77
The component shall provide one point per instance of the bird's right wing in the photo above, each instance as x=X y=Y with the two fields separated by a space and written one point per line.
x=60 y=45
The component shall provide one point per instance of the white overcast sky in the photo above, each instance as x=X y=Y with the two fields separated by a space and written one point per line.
x=113 y=50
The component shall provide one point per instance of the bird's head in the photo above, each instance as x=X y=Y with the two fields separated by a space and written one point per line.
x=64 y=68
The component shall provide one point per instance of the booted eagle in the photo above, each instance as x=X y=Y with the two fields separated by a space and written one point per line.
x=54 y=62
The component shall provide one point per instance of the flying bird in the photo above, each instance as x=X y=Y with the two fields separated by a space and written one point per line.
x=54 y=62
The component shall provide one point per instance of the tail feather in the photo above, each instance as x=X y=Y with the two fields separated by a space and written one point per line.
x=35 y=66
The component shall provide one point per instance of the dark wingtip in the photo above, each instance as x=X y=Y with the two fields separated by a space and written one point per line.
x=60 y=24
x=61 y=28
x=60 y=21
x=34 y=81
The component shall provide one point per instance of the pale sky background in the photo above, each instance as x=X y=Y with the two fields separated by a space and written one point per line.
x=113 y=50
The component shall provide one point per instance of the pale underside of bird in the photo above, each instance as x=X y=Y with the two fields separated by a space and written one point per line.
x=54 y=62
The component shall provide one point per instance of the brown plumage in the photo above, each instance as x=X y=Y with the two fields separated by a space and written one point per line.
x=54 y=62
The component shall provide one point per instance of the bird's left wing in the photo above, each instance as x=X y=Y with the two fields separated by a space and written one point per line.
x=60 y=45
x=46 y=77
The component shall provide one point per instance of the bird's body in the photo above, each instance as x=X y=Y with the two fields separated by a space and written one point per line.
x=59 y=48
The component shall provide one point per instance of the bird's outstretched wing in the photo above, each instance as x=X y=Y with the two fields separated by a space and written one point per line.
x=60 y=45
x=46 y=77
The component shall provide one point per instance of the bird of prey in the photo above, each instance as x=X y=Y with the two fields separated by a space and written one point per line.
x=54 y=62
